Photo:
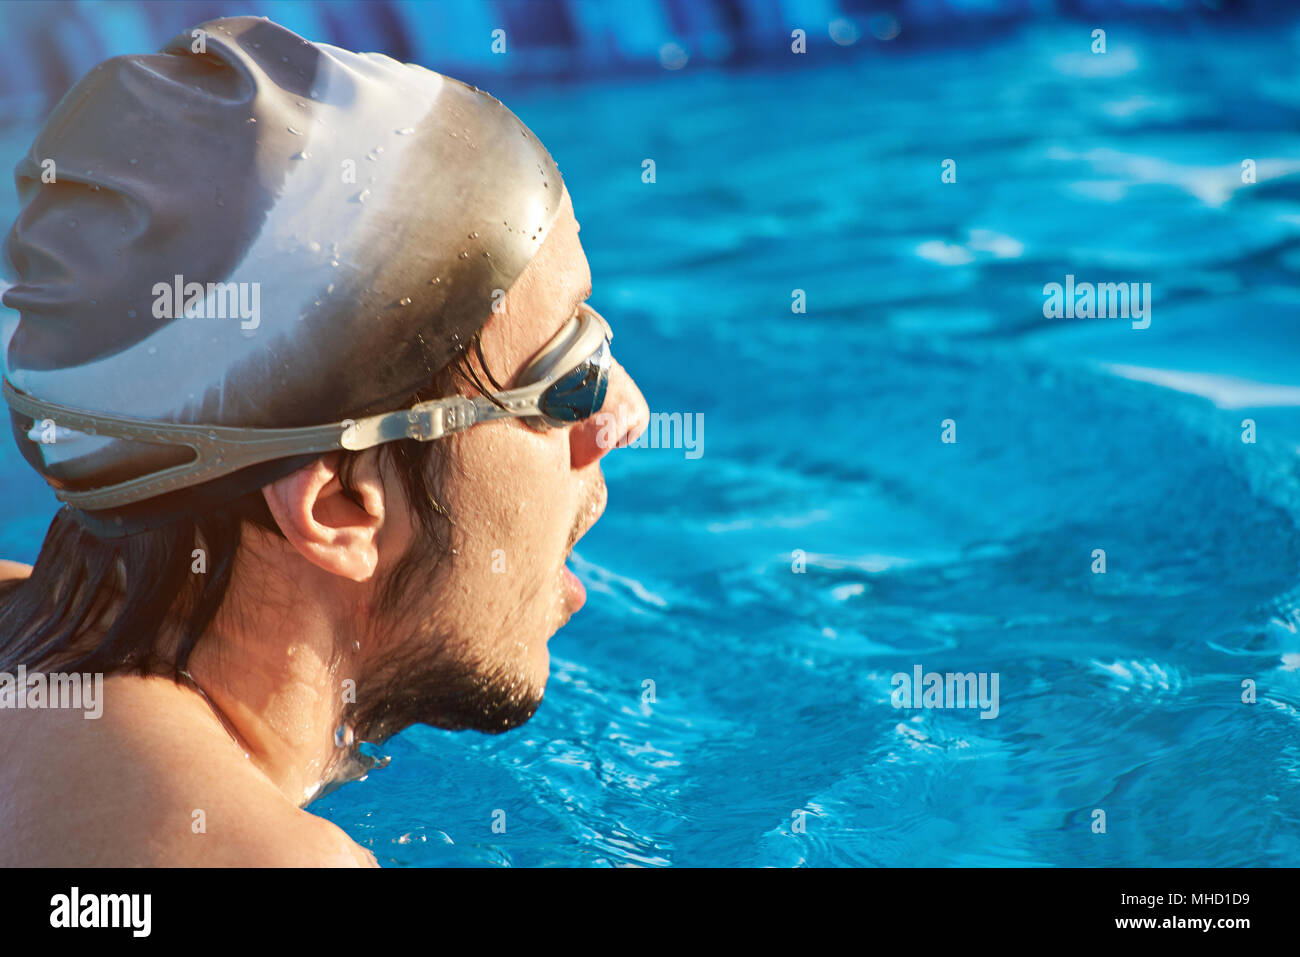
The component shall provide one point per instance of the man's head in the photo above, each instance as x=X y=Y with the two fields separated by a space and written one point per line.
x=463 y=644
x=417 y=580
x=251 y=231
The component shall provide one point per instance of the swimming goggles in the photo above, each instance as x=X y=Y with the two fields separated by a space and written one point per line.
x=565 y=383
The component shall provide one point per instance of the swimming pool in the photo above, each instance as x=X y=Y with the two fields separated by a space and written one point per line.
x=771 y=738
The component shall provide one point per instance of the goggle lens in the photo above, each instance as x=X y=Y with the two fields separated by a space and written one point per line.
x=580 y=393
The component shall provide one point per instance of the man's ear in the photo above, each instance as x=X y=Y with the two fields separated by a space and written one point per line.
x=325 y=526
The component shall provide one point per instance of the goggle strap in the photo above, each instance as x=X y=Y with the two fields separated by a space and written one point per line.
x=221 y=449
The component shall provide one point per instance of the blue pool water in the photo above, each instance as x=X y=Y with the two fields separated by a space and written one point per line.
x=1119 y=692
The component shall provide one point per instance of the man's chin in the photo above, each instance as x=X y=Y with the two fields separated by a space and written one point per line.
x=497 y=718
x=452 y=697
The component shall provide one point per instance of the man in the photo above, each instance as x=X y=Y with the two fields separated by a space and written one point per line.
x=256 y=265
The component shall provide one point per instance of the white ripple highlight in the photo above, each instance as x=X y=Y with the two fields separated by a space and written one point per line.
x=603 y=580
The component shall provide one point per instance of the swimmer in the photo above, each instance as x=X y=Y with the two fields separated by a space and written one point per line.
x=287 y=534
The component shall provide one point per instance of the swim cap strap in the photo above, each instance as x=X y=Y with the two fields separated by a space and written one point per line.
x=220 y=450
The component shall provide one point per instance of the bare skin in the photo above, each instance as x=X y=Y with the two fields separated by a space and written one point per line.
x=128 y=789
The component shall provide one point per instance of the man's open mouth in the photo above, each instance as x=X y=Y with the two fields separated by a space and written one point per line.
x=575 y=592
x=594 y=509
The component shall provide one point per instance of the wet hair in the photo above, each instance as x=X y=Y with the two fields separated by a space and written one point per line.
x=49 y=620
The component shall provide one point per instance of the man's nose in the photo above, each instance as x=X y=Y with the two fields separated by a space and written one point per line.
x=623 y=416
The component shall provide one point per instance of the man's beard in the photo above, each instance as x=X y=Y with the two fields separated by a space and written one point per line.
x=452 y=694
x=419 y=688
x=421 y=683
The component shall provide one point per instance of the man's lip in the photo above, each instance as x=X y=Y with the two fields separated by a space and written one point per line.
x=603 y=498
x=577 y=537
x=577 y=592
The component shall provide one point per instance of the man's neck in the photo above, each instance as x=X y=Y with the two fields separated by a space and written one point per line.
x=276 y=677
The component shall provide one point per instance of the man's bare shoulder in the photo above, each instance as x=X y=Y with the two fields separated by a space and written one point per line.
x=296 y=839
x=143 y=786
x=10 y=570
